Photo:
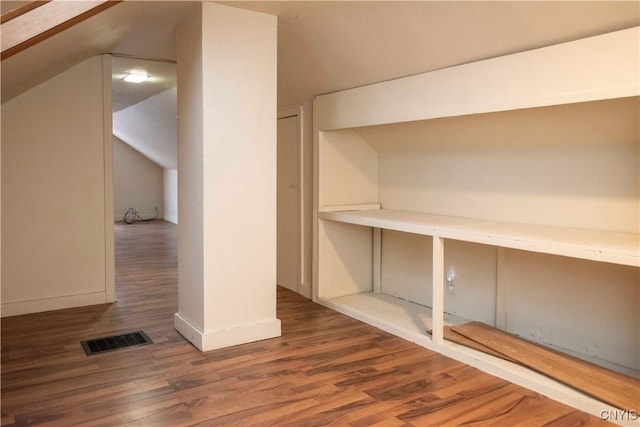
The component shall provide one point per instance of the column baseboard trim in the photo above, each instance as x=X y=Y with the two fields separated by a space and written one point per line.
x=221 y=338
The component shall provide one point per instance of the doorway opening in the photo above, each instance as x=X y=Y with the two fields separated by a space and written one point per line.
x=289 y=232
x=144 y=146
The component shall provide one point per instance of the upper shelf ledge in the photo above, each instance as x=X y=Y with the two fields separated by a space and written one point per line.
x=595 y=68
x=596 y=245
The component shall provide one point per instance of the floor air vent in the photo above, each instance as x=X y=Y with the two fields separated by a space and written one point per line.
x=116 y=342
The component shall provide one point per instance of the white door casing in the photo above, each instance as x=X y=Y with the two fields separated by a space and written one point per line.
x=288 y=205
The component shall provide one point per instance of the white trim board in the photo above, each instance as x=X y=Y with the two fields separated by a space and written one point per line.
x=595 y=68
x=55 y=303
x=221 y=338
x=596 y=245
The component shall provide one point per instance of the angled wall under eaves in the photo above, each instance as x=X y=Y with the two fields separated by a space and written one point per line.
x=137 y=183
x=150 y=128
x=55 y=243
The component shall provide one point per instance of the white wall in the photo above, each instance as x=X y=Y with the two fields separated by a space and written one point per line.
x=189 y=46
x=227 y=63
x=150 y=127
x=170 y=187
x=240 y=173
x=307 y=198
x=137 y=183
x=599 y=67
x=54 y=204
x=571 y=166
x=305 y=113
x=587 y=307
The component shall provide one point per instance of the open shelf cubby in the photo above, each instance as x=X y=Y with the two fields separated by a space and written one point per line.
x=462 y=195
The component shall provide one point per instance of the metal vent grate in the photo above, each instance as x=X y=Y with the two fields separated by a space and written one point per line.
x=116 y=342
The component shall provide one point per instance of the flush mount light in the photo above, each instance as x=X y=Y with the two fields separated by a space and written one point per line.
x=136 y=77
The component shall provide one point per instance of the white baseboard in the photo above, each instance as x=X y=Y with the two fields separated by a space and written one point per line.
x=206 y=341
x=55 y=303
x=171 y=217
x=305 y=291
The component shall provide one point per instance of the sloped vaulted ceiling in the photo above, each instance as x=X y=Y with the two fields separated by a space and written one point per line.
x=334 y=45
x=131 y=28
x=323 y=46
x=144 y=114
x=150 y=127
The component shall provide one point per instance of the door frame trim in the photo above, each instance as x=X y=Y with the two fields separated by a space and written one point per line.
x=283 y=113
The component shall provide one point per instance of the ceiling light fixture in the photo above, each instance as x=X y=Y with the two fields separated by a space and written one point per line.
x=136 y=77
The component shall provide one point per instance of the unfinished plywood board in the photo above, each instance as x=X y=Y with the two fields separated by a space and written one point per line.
x=608 y=386
x=451 y=335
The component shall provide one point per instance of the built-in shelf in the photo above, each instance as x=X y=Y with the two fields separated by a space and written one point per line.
x=596 y=245
x=556 y=156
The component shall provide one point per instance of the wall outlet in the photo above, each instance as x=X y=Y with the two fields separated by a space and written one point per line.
x=451 y=279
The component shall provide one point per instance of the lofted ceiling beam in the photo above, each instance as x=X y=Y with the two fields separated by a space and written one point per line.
x=36 y=21
x=18 y=11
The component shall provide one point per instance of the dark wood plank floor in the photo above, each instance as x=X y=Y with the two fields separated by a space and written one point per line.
x=326 y=369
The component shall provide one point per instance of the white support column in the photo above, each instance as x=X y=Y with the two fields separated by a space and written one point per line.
x=377 y=260
x=438 y=290
x=502 y=286
x=227 y=64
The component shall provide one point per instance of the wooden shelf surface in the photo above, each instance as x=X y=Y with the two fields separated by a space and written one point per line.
x=608 y=386
x=400 y=317
x=596 y=245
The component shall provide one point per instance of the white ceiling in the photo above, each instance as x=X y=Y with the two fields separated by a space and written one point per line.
x=332 y=45
x=150 y=127
x=162 y=76
x=131 y=28
x=8 y=5
x=329 y=46
x=324 y=46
